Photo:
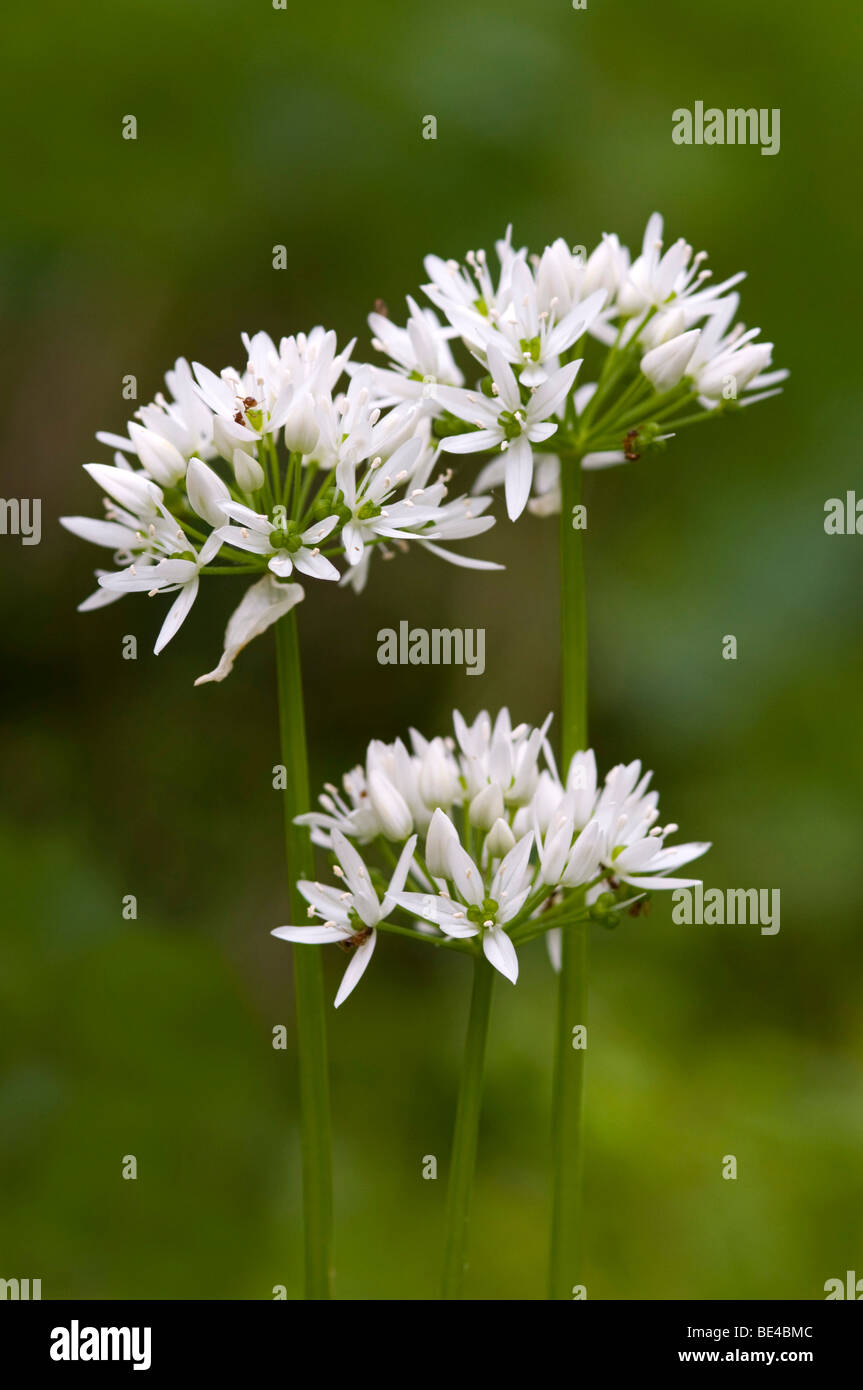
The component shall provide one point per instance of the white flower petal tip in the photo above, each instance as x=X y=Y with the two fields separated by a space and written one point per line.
x=500 y=952
x=355 y=969
x=263 y=604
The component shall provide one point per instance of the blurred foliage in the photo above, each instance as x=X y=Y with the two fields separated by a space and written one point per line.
x=153 y=1037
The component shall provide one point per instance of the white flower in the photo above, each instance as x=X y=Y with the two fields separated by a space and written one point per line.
x=279 y=385
x=394 y=791
x=657 y=278
x=632 y=847
x=728 y=362
x=607 y=267
x=503 y=422
x=176 y=574
x=533 y=852
x=183 y=420
x=372 y=509
x=137 y=524
x=537 y=328
x=351 y=813
x=420 y=355
x=477 y=905
x=350 y=915
x=286 y=547
x=470 y=298
x=495 y=753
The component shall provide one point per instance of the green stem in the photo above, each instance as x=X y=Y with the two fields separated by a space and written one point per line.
x=464 y=1144
x=447 y=943
x=573 y=618
x=568 y=1093
x=308 y=976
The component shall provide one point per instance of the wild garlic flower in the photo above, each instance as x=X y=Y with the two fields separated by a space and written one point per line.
x=506 y=423
x=273 y=472
x=351 y=914
x=649 y=336
x=494 y=848
x=420 y=356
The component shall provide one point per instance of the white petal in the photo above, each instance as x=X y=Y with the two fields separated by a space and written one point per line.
x=313 y=935
x=358 y=879
x=472 y=442
x=464 y=561
x=504 y=378
x=315 y=566
x=356 y=968
x=130 y=489
x=554 y=946
x=661 y=883
x=400 y=873
x=547 y=398
x=500 y=952
x=177 y=614
x=519 y=476
x=107 y=533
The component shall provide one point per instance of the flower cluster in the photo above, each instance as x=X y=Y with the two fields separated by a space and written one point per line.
x=275 y=471
x=485 y=845
x=306 y=460
x=661 y=336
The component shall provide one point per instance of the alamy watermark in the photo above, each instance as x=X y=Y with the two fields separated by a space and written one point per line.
x=719 y=907
x=21 y=516
x=437 y=646
x=843 y=516
x=736 y=126
x=22 y=1290
x=76 y=1343
x=849 y=1287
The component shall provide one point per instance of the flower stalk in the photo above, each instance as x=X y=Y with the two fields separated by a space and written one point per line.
x=308 y=977
x=466 y=1135
x=567 y=1143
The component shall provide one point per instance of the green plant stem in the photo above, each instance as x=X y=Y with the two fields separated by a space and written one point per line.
x=464 y=1144
x=308 y=976
x=568 y=1093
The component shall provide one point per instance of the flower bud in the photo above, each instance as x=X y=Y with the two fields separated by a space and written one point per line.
x=583 y=862
x=247 y=471
x=667 y=324
x=390 y=806
x=581 y=785
x=664 y=366
x=487 y=806
x=734 y=368
x=441 y=835
x=553 y=854
x=162 y=460
x=438 y=779
x=132 y=490
x=206 y=490
x=301 y=424
x=500 y=840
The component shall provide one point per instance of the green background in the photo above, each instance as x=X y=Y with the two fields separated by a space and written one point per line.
x=303 y=127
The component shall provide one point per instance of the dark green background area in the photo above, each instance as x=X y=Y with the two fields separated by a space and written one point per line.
x=303 y=127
